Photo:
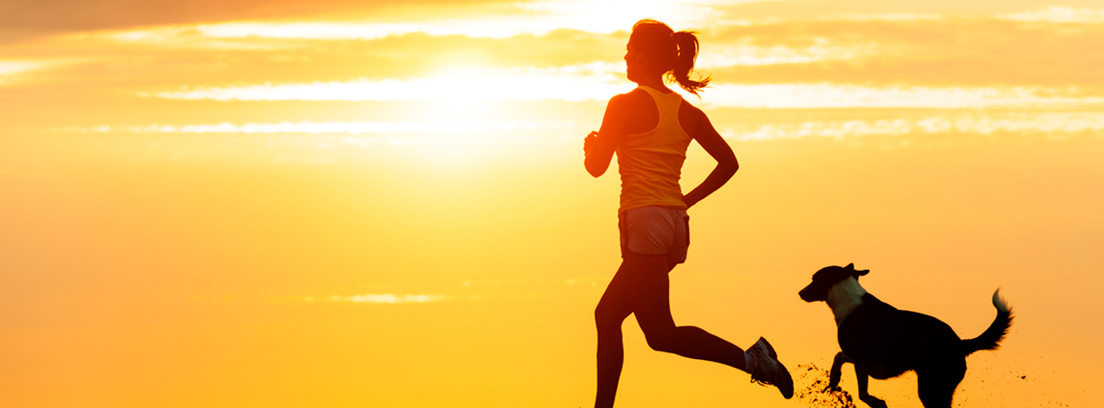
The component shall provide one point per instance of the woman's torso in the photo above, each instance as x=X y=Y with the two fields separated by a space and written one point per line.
x=650 y=157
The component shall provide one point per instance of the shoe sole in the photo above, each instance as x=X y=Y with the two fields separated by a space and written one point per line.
x=774 y=355
x=770 y=349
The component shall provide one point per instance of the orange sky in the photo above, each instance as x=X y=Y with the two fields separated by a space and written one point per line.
x=326 y=203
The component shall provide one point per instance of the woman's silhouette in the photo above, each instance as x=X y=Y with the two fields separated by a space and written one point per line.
x=650 y=128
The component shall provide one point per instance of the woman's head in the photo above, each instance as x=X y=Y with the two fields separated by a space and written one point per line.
x=656 y=49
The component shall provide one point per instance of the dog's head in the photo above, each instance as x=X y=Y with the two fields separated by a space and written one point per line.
x=825 y=278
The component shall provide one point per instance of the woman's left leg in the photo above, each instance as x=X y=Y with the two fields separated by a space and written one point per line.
x=613 y=308
x=651 y=305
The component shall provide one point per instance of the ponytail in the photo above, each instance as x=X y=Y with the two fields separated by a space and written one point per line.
x=687 y=44
x=673 y=53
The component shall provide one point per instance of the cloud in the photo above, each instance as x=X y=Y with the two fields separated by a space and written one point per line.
x=1048 y=124
x=18 y=67
x=887 y=50
x=953 y=51
x=384 y=298
x=836 y=9
x=572 y=83
x=23 y=72
x=853 y=96
x=597 y=82
x=758 y=126
x=492 y=20
x=329 y=128
x=58 y=16
x=1058 y=14
x=945 y=52
x=341 y=74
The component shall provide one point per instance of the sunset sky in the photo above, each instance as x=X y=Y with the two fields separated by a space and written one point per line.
x=340 y=203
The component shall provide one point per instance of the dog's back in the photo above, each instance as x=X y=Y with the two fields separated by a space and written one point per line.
x=893 y=341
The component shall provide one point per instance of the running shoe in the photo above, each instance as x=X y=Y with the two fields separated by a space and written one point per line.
x=768 y=370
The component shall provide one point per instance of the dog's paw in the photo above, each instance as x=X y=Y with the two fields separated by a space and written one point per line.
x=873 y=402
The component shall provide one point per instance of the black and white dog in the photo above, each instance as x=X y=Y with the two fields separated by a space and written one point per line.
x=884 y=342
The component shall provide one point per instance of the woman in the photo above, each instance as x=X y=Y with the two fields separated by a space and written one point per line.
x=650 y=128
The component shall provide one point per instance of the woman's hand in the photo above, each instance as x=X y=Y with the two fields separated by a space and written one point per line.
x=588 y=143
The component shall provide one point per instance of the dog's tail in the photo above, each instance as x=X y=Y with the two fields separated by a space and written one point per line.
x=992 y=336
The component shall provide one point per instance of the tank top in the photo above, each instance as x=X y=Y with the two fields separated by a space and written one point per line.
x=650 y=162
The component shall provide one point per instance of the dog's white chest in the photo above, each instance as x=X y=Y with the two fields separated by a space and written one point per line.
x=844 y=297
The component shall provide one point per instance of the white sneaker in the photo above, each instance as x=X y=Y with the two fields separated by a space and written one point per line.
x=767 y=370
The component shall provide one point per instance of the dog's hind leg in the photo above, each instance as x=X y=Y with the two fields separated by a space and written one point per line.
x=936 y=386
x=837 y=367
x=863 y=378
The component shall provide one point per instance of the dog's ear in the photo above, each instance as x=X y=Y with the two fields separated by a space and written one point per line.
x=862 y=272
x=851 y=268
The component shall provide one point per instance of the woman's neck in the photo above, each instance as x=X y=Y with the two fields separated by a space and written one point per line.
x=654 y=83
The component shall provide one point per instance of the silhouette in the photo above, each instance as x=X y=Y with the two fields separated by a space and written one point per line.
x=649 y=129
x=884 y=342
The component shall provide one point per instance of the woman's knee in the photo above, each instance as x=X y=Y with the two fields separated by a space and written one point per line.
x=661 y=339
x=607 y=317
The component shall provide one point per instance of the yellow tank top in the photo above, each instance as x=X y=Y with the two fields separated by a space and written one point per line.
x=650 y=163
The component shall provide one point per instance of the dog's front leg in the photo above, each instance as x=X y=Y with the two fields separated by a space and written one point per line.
x=863 y=378
x=835 y=373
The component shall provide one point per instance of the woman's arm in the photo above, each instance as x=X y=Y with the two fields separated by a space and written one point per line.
x=599 y=146
x=716 y=146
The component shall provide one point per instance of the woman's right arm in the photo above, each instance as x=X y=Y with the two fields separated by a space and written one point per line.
x=599 y=146
x=716 y=146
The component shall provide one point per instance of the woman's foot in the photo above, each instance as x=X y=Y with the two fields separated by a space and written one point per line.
x=765 y=368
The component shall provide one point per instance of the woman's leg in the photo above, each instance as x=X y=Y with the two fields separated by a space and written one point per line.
x=652 y=307
x=613 y=308
x=641 y=286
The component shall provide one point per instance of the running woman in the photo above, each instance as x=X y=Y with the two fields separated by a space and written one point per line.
x=649 y=129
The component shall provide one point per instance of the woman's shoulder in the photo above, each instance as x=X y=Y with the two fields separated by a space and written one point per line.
x=634 y=100
x=690 y=118
x=635 y=95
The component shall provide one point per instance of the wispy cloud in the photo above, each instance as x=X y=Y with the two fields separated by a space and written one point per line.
x=57 y=16
x=564 y=54
x=384 y=298
x=1048 y=124
x=743 y=52
x=1059 y=14
x=13 y=71
x=18 y=67
x=505 y=20
x=598 y=82
x=330 y=128
x=1054 y=124
x=574 y=83
x=856 y=96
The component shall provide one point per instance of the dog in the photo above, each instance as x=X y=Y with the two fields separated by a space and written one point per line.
x=884 y=342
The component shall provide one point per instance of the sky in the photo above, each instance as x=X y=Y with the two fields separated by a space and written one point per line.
x=337 y=203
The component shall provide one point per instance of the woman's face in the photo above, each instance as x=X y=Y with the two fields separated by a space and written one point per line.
x=635 y=63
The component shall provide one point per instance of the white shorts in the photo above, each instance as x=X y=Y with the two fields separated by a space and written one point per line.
x=655 y=230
